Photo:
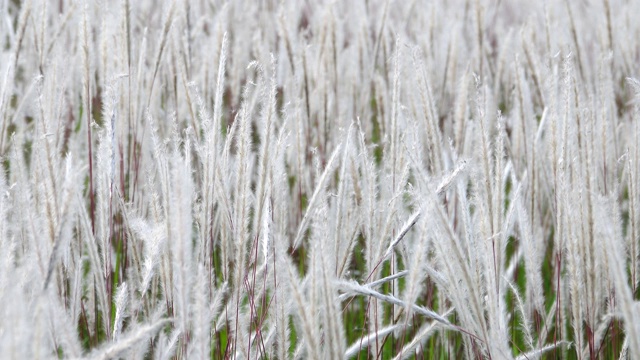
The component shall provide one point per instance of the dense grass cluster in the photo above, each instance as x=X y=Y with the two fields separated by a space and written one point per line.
x=206 y=179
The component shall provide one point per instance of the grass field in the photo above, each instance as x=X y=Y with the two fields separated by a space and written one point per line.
x=364 y=179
